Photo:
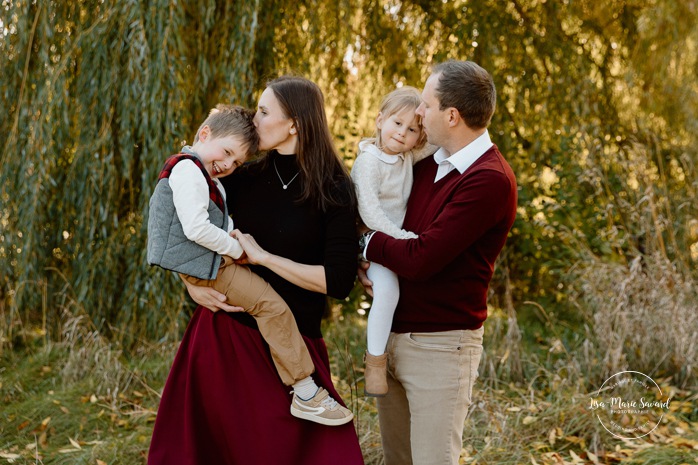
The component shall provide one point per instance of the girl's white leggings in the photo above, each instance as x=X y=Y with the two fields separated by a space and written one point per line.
x=386 y=292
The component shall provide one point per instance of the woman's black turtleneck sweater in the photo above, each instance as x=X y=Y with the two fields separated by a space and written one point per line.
x=300 y=232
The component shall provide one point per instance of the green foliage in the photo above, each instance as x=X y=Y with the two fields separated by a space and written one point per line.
x=596 y=113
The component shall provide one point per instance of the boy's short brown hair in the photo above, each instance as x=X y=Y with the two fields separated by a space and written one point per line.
x=232 y=120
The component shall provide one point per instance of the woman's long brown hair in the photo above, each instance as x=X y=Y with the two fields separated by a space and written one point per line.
x=326 y=180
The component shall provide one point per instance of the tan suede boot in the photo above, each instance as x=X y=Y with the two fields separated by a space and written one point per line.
x=376 y=375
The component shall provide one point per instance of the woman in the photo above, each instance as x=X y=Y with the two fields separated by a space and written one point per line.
x=224 y=402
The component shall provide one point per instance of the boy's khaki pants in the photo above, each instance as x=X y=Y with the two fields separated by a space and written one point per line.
x=277 y=324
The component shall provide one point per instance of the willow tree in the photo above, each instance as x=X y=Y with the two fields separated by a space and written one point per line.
x=596 y=112
x=98 y=94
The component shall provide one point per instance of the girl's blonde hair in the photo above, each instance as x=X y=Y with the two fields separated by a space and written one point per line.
x=395 y=102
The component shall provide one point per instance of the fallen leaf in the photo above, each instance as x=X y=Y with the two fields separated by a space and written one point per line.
x=554 y=456
x=100 y=462
x=529 y=419
x=74 y=443
x=514 y=409
x=593 y=458
x=685 y=442
x=556 y=346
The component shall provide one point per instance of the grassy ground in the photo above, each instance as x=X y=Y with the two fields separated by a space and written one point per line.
x=82 y=401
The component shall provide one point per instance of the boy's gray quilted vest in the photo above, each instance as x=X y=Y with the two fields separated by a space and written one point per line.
x=169 y=248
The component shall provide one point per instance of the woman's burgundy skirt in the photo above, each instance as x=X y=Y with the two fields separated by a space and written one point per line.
x=224 y=404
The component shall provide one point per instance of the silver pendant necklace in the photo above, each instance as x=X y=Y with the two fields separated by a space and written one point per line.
x=284 y=184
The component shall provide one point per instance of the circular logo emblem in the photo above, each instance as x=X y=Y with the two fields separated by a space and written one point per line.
x=629 y=405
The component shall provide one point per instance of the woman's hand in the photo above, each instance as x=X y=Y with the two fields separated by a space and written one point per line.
x=255 y=255
x=310 y=277
x=363 y=277
x=210 y=298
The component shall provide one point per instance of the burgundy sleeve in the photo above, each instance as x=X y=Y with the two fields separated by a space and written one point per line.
x=478 y=205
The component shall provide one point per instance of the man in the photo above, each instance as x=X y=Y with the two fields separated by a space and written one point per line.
x=462 y=206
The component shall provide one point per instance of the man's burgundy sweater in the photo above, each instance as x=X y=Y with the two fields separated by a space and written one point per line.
x=462 y=222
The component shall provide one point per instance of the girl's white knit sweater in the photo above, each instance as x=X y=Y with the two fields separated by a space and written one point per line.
x=383 y=183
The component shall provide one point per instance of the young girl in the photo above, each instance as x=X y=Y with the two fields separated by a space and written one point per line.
x=382 y=174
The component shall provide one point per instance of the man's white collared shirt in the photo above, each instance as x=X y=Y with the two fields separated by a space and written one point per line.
x=462 y=159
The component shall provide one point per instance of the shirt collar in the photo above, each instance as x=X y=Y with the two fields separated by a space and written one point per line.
x=466 y=156
x=370 y=147
x=187 y=149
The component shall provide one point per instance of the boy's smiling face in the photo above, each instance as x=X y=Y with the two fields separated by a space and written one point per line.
x=220 y=155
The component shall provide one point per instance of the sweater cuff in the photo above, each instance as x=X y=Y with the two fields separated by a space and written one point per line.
x=364 y=240
x=373 y=245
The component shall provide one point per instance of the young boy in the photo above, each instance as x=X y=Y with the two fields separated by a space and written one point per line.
x=188 y=232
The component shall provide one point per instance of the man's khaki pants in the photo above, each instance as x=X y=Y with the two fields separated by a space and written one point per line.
x=430 y=382
x=277 y=324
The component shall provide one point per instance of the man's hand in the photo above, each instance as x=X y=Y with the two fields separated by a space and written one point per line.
x=363 y=277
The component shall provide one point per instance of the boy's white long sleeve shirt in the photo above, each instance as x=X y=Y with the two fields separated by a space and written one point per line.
x=191 y=199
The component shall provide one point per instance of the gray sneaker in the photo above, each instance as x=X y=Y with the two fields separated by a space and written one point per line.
x=321 y=408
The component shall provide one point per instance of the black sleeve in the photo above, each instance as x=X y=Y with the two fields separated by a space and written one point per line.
x=341 y=245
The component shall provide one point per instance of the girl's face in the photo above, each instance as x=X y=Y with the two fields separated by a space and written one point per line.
x=399 y=132
x=275 y=129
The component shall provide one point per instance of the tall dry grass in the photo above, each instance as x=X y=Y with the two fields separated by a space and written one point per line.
x=90 y=354
x=642 y=316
